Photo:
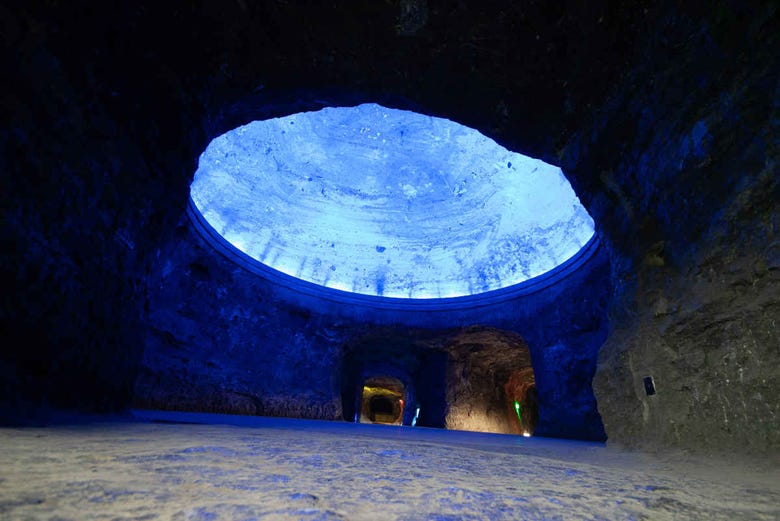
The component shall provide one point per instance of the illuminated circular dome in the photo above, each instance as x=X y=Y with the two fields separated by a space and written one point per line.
x=387 y=202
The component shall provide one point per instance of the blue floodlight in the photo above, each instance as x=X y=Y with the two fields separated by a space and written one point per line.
x=388 y=202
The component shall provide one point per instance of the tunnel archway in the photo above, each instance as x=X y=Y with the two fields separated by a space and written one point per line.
x=382 y=401
x=461 y=379
x=485 y=362
x=387 y=366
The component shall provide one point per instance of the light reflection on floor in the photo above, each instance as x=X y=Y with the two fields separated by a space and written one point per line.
x=208 y=467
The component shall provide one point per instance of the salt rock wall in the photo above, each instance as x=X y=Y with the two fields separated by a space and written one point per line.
x=662 y=115
x=220 y=341
x=110 y=105
x=481 y=364
x=222 y=338
x=686 y=152
x=86 y=194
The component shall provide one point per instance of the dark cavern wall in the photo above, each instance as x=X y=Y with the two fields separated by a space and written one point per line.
x=689 y=192
x=663 y=116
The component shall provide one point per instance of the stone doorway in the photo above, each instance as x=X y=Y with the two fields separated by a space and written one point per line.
x=382 y=401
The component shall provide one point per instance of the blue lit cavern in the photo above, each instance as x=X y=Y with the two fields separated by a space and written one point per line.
x=386 y=202
x=284 y=260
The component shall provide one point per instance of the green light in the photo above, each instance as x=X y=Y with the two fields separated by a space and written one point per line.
x=519 y=412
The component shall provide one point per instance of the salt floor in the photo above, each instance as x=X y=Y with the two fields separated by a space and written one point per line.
x=181 y=466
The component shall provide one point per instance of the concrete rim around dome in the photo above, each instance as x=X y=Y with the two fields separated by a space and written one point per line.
x=387 y=203
x=296 y=285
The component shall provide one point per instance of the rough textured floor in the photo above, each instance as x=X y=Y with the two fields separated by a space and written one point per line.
x=269 y=469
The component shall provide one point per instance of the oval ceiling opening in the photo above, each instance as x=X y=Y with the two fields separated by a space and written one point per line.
x=387 y=202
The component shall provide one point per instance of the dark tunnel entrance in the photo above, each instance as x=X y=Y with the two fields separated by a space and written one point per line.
x=382 y=401
x=393 y=368
x=384 y=409
x=474 y=379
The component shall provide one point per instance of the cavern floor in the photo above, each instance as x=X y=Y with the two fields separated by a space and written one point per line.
x=262 y=468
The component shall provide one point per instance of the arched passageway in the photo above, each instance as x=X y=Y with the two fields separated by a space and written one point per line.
x=481 y=390
x=474 y=379
x=382 y=401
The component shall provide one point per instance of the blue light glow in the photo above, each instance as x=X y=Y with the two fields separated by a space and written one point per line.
x=388 y=202
x=416 y=415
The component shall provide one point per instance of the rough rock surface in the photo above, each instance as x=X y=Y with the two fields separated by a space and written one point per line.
x=282 y=469
x=662 y=115
x=483 y=362
x=222 y=339
x=692 y=224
